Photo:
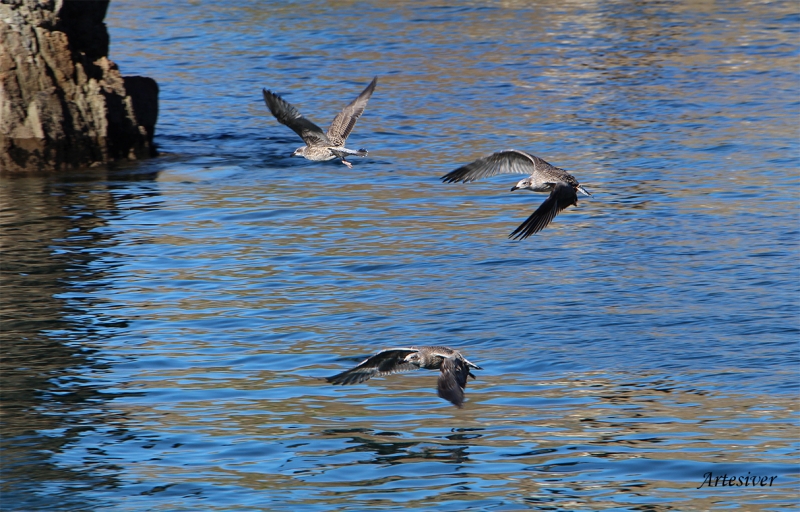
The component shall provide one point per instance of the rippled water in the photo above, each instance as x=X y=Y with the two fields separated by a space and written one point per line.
x=164 y=321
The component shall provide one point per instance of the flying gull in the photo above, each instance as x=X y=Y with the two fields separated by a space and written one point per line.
x=563 y=187
x=452 y=379
x=321 y=146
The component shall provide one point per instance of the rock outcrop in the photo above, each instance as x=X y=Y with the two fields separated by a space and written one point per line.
x=63 y=103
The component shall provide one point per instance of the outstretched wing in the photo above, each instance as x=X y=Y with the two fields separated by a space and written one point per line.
x=560 y=197
x=286 y=114
x=509 y=161
x=453 y=380
x=345 y=121
x=384 y=362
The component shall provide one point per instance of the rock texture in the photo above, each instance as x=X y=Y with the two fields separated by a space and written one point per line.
x=63 y=104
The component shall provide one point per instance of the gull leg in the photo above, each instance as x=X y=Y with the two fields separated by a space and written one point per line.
x=348 y=164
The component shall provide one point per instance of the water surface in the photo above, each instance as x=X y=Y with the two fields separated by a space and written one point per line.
x=165 y=321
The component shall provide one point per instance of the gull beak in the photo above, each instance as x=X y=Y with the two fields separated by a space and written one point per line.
x=514 y=188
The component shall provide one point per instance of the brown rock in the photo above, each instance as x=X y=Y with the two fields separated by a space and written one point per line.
x=63 y=104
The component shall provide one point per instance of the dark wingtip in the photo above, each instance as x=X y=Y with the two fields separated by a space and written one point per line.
x=338 y=379
x=522 y=234
x=452 y=398
x=454 y=176
x=326 y=379
x=517 y=234
x=371 y=86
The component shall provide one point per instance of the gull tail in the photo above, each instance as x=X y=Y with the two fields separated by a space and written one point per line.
x=344 y=152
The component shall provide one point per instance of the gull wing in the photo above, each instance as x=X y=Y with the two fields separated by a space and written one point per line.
x=345 y=121
x=288 y=115
x=509 y=161
x=384 y=362
x=560 y=197
x=453 y=380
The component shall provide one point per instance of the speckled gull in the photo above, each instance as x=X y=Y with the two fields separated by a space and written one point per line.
x=454 y=368
x=563 y=187
x=321 y=146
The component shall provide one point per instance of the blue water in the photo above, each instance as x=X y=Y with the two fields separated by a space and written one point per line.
x=165 y=320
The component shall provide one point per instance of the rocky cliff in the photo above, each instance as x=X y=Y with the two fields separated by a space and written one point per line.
x=63 y=103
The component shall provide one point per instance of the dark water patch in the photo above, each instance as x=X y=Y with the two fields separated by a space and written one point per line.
x=252 y=216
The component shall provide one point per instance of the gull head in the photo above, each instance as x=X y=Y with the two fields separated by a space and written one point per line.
x=414 y=358
x=300 y=151
x=524 y=183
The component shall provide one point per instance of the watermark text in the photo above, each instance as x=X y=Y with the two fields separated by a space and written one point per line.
x=710 y=480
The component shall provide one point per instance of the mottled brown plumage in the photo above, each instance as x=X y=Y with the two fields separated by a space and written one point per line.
x=543 y=177
x=321 y=146
x=454 y=368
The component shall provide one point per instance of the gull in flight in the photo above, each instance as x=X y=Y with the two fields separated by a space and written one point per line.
x=320 y=145
x=454 y=368
x=563 y=186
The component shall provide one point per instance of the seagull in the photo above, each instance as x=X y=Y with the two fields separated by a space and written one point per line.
x=563 y=187
x=321 y=146
x=452 y=379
